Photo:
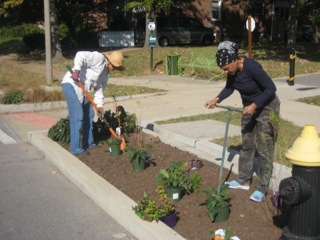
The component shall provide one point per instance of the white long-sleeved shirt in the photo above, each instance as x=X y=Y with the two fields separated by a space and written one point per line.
x=93 y=75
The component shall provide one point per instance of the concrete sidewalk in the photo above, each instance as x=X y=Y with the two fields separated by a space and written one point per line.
x=184 y=97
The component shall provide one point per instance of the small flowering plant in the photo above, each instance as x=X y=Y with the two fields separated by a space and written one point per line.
x=151 y=210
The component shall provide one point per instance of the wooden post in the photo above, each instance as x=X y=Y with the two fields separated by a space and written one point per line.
x=249 y=37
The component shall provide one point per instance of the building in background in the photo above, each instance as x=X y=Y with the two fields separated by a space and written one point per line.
x=271 y=19
x=227 y=18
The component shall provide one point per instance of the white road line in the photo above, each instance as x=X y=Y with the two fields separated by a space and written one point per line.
x=6 y=139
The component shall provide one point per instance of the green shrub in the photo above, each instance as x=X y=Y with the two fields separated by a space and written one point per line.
x=32 y=35
x=34 y=40
x=129 y=123
x=19 y=31
x=63 y=30
x=12 y=98
x=60 y=132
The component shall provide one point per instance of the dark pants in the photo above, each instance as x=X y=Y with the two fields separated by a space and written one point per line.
x=258 y=137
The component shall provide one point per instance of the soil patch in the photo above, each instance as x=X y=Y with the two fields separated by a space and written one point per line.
x=248 y=220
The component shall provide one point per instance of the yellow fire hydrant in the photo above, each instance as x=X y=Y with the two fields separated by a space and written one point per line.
x=300 y=194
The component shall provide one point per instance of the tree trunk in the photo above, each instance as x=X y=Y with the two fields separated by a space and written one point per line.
x=315 y=20
x=316 y=34
x=148 y=32
x=55 y=41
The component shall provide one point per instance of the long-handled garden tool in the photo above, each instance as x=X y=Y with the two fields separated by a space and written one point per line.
x=229 y=109
x=88 y=96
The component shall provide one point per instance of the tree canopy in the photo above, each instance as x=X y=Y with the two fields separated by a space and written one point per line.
x=77 y=17
x=152 y=6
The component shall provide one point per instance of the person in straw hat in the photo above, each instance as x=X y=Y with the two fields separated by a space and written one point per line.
x=92 y=70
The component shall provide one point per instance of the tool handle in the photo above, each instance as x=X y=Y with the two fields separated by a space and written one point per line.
x=84 y=90
x=230 y=108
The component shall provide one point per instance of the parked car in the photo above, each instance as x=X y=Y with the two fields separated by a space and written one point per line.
x=173 y=31
x=139 y=37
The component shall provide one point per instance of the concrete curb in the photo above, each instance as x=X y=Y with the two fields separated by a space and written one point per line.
x=35 y=107
x=106 y=196
x=32 y=107
x=231 y=156
x=166 y=134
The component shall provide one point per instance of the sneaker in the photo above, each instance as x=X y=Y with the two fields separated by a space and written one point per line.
x=235 y=185
x=257 y=196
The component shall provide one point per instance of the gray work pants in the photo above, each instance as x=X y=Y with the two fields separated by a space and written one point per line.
x=258 y=139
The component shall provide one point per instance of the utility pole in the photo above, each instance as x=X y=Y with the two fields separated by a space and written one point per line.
x=47 y=27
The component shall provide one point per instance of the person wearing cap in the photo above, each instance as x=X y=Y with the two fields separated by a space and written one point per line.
x=92 y=70
x=259 y=100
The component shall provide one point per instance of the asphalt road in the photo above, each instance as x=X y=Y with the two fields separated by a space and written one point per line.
x=37 y=202
x=308 y=80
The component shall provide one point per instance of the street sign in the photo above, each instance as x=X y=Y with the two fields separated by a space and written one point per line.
x=152 y=40
x=151 y=26
x=253 y=24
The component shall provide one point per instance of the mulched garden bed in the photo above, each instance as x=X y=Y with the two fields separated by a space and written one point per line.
x=248 y=220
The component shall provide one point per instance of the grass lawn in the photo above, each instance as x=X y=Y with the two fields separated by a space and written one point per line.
x=273 y=57
x=288 y=132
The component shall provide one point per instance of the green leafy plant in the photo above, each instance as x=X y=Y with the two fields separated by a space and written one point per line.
x=120 y=118
x=129 y=123
x=151 y=210
x=164 y=200
x=126 y=122
x=103 y=142
x=60 y=132
x=13 y=97
x=216 y=200
x=137 y=153
x=176 y=175
x=114 y=141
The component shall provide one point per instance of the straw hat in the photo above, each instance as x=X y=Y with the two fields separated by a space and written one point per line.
x=115 y=58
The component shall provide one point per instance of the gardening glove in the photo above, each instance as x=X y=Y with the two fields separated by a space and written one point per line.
x=75 y=75
x=100 y=112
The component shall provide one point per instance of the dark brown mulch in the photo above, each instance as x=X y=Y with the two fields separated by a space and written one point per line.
x=248 y=220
